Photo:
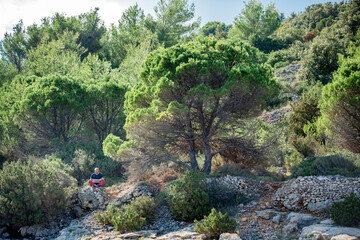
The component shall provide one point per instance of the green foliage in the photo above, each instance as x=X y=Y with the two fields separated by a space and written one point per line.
x=222 y=196
x=187 y=198
x=63 y=171
x=340 y=103
x=83 y=165
x=303 y=131
x=172 y=16
x=131 y=217
x=347 y=212
x=61 y=56
x=208 y=74
x=215 y=224
x=30 y=192
x=256 y=23
x=13 y=46
x=52 y=109
x=327 y=165
x=215 y=28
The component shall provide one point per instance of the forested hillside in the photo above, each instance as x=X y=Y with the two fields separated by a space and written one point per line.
x=267 y=97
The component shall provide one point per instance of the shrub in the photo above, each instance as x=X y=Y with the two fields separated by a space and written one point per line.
x=222 y=196
x=187 y=198
x=215 y=224
x=347 y=213
x=30 y=193
x=327 y=165
x=128 y=218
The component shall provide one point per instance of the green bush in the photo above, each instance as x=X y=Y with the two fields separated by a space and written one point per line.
x=30 y=193
x=347 y=213
x=131 y=217
x=327 y=165
x=215 y=224
x=222 y=196
x=187 y=198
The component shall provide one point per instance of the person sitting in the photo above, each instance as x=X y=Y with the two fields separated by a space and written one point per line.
x=96 y=179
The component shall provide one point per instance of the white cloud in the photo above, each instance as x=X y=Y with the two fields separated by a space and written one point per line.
x=32 y=11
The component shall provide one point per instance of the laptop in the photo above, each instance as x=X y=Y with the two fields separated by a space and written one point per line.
x=96 y=180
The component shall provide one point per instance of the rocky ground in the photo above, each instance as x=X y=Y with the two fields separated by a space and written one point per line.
x=295 y=209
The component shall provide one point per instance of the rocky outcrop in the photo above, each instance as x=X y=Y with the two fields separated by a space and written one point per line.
x=327 y=232
x=315 y=193
x=249 y=187
x=288 y=73
x=277 y=115
x=131 y=194
x=90 y=198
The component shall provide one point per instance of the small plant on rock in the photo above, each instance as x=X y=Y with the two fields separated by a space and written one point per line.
x=131 y=217
x=215 y=224
x=347 y=213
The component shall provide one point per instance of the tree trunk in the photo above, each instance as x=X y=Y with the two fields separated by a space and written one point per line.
x=208 y=157
x=192 y=155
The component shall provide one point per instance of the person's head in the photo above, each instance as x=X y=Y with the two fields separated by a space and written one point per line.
x=96 y=170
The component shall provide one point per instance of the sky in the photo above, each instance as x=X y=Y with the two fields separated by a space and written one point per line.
x=31 y=11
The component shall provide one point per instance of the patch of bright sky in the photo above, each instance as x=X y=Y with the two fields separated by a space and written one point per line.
x=31 y=11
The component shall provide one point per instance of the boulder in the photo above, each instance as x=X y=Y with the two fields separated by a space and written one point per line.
x=344 y=237
x=319 y=207
x=329 y=230
x=296 y=221
x=229 y=236
x=90 y=199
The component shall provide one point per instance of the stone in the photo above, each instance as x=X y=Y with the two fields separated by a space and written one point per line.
x=78 y=211
x=327 y=222
x=293 y=202
x=266 y=214
x=6 y=235
x=229 y=236
x=332 y=231
x=90 y=199
x=319 y=207
x=276 y=219
x=301 y=219
x=2 y=230
x=182 y=235
x=344 y=237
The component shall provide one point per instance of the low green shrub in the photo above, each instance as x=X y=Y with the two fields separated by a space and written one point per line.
x=215 y=224
x=347 y=212
x=187 y=198
x=128 y=221
x=30 y=193
x=131 y=217
x=221 y=195
x=327 y=165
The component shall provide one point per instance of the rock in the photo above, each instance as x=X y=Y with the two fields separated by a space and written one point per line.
x=229 y=236
x=183 y=235
x=266 y=214
x=276 y=219
x=301 y=219
x=296 y=221
x=319 y=207
x=344 y=237
x=293 y=202
x=2 y=230
x=90 y=199
x=77 y=211
x=327 y=222
x=317 y=192
x=6 y=235
x=329 y=230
